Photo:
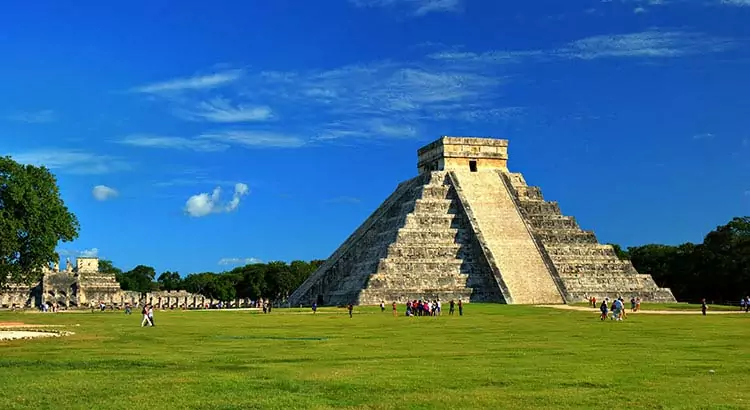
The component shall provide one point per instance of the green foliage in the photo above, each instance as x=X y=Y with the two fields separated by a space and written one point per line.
x=33 y=220
x=718 y=269
x=139 y=279
x=621 y=253
x=170 y=281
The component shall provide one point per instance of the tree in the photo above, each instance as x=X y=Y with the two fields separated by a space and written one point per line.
x=33 y=220
x=106 y=266
x=169 y=281
x=139 y=279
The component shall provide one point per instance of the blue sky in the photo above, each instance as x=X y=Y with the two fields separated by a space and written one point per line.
x=194 y=136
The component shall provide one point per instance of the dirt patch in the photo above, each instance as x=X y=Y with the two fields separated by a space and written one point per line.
x=6 y=324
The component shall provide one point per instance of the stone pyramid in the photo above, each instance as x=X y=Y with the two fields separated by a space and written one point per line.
x=467 y=228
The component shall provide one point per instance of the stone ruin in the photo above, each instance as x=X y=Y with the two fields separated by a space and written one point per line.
x=84 y=285
x=468 y=228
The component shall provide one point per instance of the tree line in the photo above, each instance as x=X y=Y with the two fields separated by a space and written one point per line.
x=717 y=269
x=273 y=280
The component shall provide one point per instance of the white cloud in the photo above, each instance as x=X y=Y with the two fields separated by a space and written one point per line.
x=644 y=44
x=204 y=204
x=639 y=10
x=221 y=110
x=103 y=193
x=86 y=253
x=200 y=82
x=255 y=139
x=239 y=261
x=89 y=253
x=73 y=161
x=741 y=3
x=417 y=7
x=156 y=141
x=35 y=117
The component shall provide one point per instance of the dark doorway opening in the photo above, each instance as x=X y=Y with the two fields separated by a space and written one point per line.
x=473 y=166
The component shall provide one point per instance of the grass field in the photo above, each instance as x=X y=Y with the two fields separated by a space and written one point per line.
x=671 y=306
x=493 y=357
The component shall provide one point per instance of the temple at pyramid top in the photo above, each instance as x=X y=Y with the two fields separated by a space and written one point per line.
x=467 y=228
x=469 y=153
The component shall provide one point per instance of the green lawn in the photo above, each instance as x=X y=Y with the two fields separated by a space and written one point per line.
x=670 y=306
x=493 y=357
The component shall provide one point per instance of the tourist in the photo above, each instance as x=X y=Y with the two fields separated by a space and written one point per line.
x=146 y=320
x=638 y=304
x=632 y=304
x=128 y=309
x=395 y=312
x=742 y=304
x=593 y=301
x=747 y=304
x=314 y=307
x=603 y=309
x=438 y=307
x=460 y=307
x=382 y=306
x=408 y=308
x=426 y=307
x=452 y=307
x=350 y=307
x=704 y=306
x=151 y=315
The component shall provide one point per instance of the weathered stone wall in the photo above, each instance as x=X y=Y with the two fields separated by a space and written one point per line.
x=585 y=267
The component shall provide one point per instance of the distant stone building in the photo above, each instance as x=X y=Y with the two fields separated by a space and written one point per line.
x=85 y=286
x=468 y=228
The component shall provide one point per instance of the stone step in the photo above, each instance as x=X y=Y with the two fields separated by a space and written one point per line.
x=566 y=237
x=436 y=192
x=419 y=236
x=540 y=208
x=433 y=221
x=572 y=259
x=618 y=268
x=425 y=251
x=553 y=222
x=430 y=282
x=586 y=250
x=425 y=266
x=435 y=206
x=529 y=193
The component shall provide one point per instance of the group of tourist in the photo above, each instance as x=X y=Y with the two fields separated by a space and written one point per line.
x=434 y=308
x=617 y=308
x=635 y=302
x=148 y=315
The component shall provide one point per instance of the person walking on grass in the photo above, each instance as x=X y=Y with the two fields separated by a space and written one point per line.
x=742 y=304
x=603 y=309
x=151 y=315
x=314 y=307
x=460 y=307
x=145 y=321
x=704 y=306
x=382 y=306
x=350 y=307
x=395 y=312
x=451 y=308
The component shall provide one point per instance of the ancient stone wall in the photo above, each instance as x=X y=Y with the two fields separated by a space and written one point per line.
x=585 y=267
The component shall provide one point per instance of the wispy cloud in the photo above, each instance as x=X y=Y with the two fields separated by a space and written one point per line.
x=657 y=44
x=741 y=3
x=647 y=44
x=344 y=200
x=221 y=110
x=238 y=261
x=86 y=253
x=416 y=7
x=103 y=193
x=34 y=117
x=73 y=161
x=204 y=204
x=156 y=141
x=255 y=139
x=199 y=82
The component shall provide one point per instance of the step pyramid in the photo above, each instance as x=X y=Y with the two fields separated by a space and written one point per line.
x=468 y=229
